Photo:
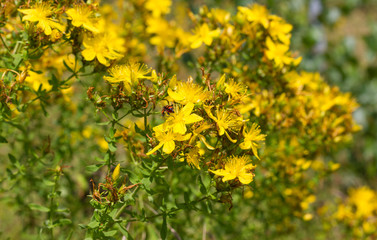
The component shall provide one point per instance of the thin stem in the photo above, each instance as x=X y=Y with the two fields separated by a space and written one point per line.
x=5 y=45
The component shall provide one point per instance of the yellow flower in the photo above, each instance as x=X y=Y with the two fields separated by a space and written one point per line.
x=225 y=121
x=237 y=167
x=36 y=80
x=251 y=138
x=40 y=14
x=163 y=33
x=278 y=52
x=158 y=8
x=232 y=88
x=81 y=15
x=129 y=74
x=99 y=47
x=187 y=92
x=364 y=199
x=166 y=138
x=257 y=14
x=197 y=134
x=203 y=34
x=177 y=121
x=279 y=29
x=220 y=15
x=193 y=157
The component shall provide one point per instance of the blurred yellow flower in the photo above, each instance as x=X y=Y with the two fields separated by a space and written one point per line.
x=364 y=199
x=237 y=167
x=36 y=80
x=257 y=14
x=164 y=34
x=279 y=53
x=159 y=7
x=203 y=34
x=40 y=13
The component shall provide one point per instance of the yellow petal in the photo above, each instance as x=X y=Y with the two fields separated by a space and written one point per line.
x=186 y=110
x=116 y=172
x=229 y=176
x=155 y=148
x=230 y=139
x=196 y=43
x=245 y=178
x=175 y=95
x=205 y=142
x=180 y=128
x=88 y=54
x=193 y=118
x=168 y=147
x=255 y=151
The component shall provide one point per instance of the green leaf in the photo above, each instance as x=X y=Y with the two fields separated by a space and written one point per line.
x=110 y=233
x=37 y=207
x=68 y=68
x=137 y=129
x=164 y=228
x=65 y=221
x=112 y=147
x=93 y=168
x=93 y=224
x=48 y=183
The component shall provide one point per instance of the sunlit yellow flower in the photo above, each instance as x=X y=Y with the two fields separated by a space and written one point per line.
x=279 y=53
x=178 y=120
x=129 y=74
x=251 y=138
x=40 y=13
x=99 y=47
x=82 y=15
x=166 y=138
x=203 y=34
x=159 y=7
x=225 y=121
x=237 y=167
x=188 y=92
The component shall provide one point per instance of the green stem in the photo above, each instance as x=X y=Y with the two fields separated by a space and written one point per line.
x=5 y=45
x=125 y=204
